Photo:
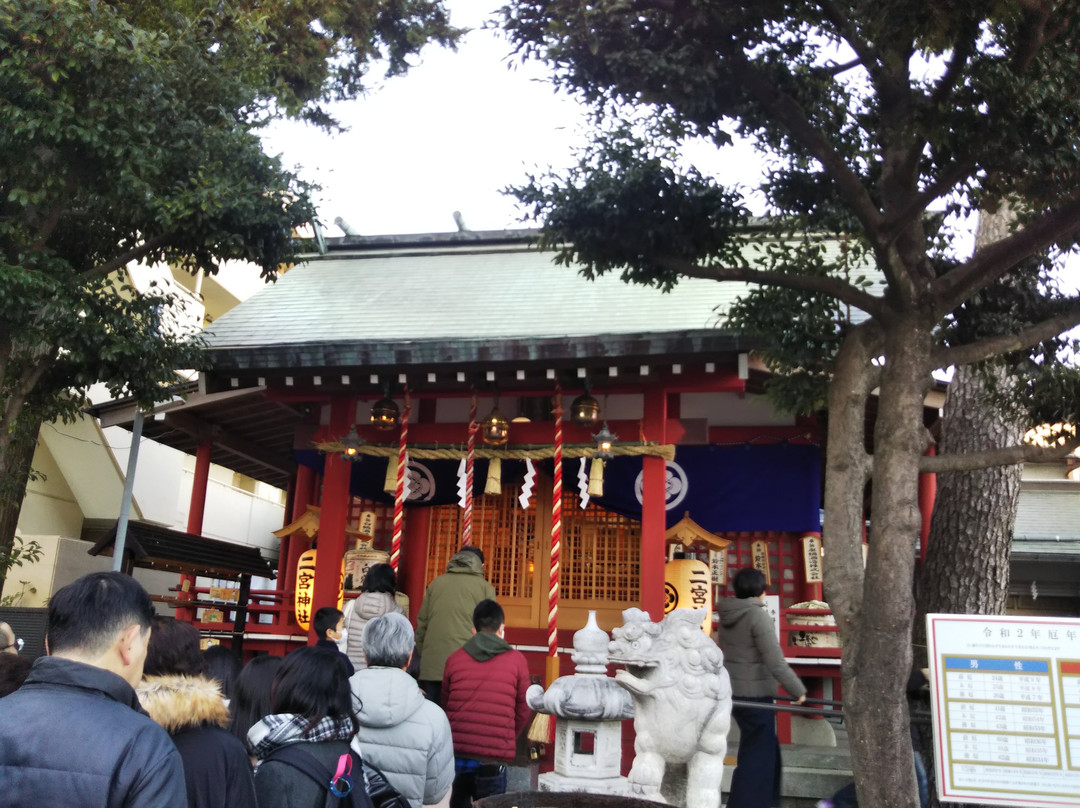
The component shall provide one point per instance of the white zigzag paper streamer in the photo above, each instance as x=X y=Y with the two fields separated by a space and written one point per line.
x=461 y=480
x=583 y=485
x=406 y=488
x=527 y=484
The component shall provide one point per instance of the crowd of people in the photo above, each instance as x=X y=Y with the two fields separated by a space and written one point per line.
x=125 y=710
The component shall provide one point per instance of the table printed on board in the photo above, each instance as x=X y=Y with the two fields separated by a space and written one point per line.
x=1006 y=707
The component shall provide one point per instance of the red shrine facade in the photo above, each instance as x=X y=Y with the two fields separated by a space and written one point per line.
x=457 y=330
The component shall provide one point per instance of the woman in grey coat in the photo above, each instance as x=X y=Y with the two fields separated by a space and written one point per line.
x=755 y=663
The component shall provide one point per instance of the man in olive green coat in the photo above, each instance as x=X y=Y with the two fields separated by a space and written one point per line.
x=444 y=623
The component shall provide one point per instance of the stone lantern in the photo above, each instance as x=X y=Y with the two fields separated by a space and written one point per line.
x=589 y=708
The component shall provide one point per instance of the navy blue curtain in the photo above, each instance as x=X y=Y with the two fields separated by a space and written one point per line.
x=724 y=488
x=728 y=488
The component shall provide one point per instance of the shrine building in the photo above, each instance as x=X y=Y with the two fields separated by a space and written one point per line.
x=412 y=393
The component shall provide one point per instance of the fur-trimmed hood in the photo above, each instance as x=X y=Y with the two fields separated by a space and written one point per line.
x=183 y=702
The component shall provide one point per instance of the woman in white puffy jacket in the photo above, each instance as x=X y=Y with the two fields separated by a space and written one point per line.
x=376 y=598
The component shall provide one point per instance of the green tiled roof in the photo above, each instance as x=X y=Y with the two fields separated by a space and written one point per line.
x=462 y=292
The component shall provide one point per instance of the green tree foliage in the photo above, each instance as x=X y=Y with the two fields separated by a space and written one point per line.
x=128 y=131
x=883 y=124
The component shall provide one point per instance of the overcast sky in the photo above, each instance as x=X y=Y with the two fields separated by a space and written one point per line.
x=448 y=136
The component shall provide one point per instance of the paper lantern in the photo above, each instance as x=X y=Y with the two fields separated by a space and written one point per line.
x=304 y=598
x=687 y=585
x=305 y=588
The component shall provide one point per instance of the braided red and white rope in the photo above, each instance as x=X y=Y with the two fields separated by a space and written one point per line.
x=470 y=460
x=556 y=531
x=399 y=491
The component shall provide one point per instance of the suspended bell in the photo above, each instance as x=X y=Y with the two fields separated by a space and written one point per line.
x=495 y=430
x=384 y=414
x=585 y=411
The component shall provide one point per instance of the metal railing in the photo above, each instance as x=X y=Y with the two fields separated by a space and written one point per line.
x=818 y=708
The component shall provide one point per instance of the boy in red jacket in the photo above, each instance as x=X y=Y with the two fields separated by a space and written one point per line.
x=483 y=694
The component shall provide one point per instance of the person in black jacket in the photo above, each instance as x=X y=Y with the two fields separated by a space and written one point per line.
x=329 y=623
x=190 y=706
x=74 y=733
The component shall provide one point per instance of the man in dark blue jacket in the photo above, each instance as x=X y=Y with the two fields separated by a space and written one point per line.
x=74 y=733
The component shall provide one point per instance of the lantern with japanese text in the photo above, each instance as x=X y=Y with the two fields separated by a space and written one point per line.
x=304 y=598
x=687 y=585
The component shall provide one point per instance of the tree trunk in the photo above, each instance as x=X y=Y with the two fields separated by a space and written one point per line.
x=966 y=570
x=14 y=474
x=876 y=666
x=967 y=560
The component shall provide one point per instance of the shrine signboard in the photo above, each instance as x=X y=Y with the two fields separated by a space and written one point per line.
x=1005 y=695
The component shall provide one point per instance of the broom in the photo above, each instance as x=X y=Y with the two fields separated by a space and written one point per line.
x=541 y=729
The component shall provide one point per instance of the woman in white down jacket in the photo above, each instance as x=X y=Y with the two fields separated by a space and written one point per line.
x=376 y=598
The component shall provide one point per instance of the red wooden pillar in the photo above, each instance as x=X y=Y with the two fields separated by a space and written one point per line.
x=653 y=507
x=196 y=511
x=414 y=557
x=927 y=495
x=334 y=512
x=303 y=495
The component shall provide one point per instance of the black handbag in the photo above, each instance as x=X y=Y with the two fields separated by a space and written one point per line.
x=382 y=794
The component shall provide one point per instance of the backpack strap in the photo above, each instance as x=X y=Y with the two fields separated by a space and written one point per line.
x=308 y=764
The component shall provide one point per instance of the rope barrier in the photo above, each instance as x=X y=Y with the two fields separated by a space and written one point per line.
x=544 y=452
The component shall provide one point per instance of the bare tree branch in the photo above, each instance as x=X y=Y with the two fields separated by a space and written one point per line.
x=841 y=20
x=134 y=254
x=993 y=261
x=962 y=51
x=993 y=346
x=833 y=287
x=836 y=70
x=918 y=204
x=791 y=115
x=1004 y=456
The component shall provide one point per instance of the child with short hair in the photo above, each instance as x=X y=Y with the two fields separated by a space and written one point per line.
x=328 y=624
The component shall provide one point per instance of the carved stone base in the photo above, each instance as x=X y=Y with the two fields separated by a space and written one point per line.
x=552 y=781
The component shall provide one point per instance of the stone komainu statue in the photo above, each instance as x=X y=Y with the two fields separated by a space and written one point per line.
x=682 y=702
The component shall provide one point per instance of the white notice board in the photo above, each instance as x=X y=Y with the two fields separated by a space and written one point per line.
x=1006 y=708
